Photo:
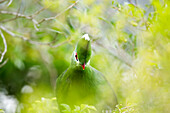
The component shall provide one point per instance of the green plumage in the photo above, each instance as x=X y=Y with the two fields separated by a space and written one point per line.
x=83 y=50
x=77 y=86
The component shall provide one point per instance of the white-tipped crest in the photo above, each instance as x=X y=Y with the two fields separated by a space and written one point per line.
x=86 y=36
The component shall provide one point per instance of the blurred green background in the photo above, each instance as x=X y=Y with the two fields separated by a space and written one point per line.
x=130 y=42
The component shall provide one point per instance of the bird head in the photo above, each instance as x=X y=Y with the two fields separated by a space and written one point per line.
x=82 y=52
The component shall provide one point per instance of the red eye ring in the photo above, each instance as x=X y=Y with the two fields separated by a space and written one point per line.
x=76 y=57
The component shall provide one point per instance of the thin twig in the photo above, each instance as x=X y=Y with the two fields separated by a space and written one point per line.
x=50 y=44
x=23 y=37
x=38 y=12
x=1 y=65
x=60 y=44
x=118 y=53
x=5 y=45
x=9 y=3
x=18 y=15
x=136 y=2
x=117 y=8
x=31 y=17
x=130 y=1
x=35 y=14
x=19 y=8
x=15 y=14
x=2 y=1
x=51 y=18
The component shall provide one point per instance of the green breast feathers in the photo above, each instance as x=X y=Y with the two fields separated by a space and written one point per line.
x=82 y=84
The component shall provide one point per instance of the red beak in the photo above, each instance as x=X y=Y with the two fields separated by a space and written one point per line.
x=83 y=66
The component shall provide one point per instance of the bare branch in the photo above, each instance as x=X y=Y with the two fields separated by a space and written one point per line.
x=38 y=12
x=14 y=17
x=31 y=17
x=2 y=1
x=9 y=3
x=21 y=16
x=19 y=9
x=51 y=18
x=35 y=14
x=35 y=23
x=118 y=53
x=18 y=15
x=50 y=44
x=23 y=37
x=1 y=65
x=5 y=46
x=60 y=44
x=15 y=14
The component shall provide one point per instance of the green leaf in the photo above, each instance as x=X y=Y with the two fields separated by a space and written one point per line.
x=2 y=111
x=92 y=108
x=77 y=108
x=134 y=23
x=67 y=108
x=54 y=98
x=87 y=107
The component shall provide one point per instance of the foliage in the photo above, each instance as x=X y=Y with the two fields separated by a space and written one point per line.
x=2 y=111
x=49 y=105
x=127 y=109
x=78 y=109
x=130 y=42
x=44 y=105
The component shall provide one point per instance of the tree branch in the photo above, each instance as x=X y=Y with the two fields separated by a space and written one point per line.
x=35 y=22
x=130 y=1
x=37 y=12
x=9 y=3
x=15 y=14
x=1 y=65
x=51 y=18
x=14 y=17
x=118 y=53
x=35 y=42
x=18 y=15
x=2 y=1
x=5 y=45
x=62 y=43
x=31 y=17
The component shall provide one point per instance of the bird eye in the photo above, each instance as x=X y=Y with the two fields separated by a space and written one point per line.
x=76 y=57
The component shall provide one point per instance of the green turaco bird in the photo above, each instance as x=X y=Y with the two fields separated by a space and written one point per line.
x=83 y=84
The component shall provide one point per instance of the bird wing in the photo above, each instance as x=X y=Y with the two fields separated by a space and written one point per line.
x=60 y=85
